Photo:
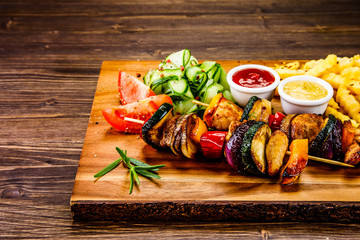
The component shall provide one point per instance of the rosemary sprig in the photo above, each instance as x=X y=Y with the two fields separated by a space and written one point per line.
x=136 y=168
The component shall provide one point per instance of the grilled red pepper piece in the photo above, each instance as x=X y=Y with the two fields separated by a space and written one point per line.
x=212 y=144
x=275 y=121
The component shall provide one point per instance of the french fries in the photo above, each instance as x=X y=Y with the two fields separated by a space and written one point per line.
x=343 y=74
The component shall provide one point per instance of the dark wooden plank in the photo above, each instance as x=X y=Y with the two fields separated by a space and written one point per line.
x=61 y=44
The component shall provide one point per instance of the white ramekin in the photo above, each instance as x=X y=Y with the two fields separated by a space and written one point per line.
x=242 y=94
x=292 y=105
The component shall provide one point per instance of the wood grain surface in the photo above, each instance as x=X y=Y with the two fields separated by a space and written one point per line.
x=196 y=189
x=50 y=58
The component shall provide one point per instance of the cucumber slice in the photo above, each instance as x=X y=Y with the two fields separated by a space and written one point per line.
x=186 y=57
x=212 y=72
x=185 y=107
x=211 y=91
x=179 y=86
x=180 y=58
x=207 y=65
x=157 y=74
x=147 y=77
x=192 y=62
x=217 y=74
x=193 y=73
x=189 y=94
x=228 y=96
x=157 y=85
x=223 y=80
x=167 y=65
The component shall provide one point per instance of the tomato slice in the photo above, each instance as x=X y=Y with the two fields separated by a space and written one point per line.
x=141 y=110
x=131 y=89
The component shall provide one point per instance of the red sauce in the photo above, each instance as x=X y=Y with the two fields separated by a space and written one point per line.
x=253 y=78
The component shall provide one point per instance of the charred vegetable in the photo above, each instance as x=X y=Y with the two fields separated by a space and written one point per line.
x=324 y=133
x=260 y=111
x=275 y=152
x=152 y=130
x=285 y=125
x=212 y=144
x=337 y=139
x=249 y=106
x=247 y=160
x=258 y=144
x=297 y=161
x=192 y=131
x=233 y=146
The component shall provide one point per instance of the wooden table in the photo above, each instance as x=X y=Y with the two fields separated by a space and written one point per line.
x=51 y=54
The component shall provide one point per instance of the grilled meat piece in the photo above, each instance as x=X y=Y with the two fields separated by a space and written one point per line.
x=306 y=125
x=225 y=113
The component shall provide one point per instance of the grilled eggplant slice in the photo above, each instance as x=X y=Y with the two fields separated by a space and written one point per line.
x=257 y=149
x=233 y=146
x=232 y=127
x=326 y=150
x=316 y=144
x=337 y=138
x=275 y=152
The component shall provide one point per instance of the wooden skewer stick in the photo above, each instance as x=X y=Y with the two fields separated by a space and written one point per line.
x=325 y=160
x=134 y=120
x=318 y=159
x=200 y=103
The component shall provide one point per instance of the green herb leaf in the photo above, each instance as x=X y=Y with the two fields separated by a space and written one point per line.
x=138 y=162
x=136 y=177
x=108 y=168
x=131 y=182
x=135 y=167
x=151 y=168
x=148 y=174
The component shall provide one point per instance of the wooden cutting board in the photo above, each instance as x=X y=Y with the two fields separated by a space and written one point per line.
x=200 y=189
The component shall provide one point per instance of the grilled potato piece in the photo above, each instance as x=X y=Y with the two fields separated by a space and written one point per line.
x=258 y=144
x=306 y=125
x=275 y=151
x=261 y=111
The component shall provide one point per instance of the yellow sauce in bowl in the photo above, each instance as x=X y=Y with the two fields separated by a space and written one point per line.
x=305 y=90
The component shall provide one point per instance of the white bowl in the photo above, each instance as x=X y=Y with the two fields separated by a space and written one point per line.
x=242 y=94
x=292 y=105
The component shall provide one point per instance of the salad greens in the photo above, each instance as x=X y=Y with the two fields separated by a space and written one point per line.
x=182 y=78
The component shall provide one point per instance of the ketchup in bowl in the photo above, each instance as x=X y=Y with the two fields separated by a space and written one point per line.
x=253 y=78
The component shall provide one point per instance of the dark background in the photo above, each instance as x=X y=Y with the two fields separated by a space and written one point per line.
x=50 y=57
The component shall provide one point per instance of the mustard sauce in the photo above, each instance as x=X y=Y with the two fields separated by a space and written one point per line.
x=305 y=90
